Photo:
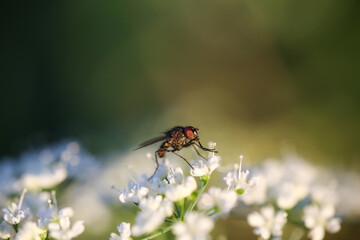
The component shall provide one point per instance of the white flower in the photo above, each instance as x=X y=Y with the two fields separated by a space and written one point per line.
x=175 y=176
x=290 y=193
x=13 y=214
x=44 y=177
x=30 y=231
x=266 y=223
x=195 y=227
x=223 y=200
x=157 y=186
x=134 y=193
x=6 y=230
x=62 y=230
x=154 y=210
x=252 y=190
x=318 y=219
x=205 y=167
x=52 y=213
x=124 y=230
x=239 y=180
x=256 y=194
x=176 y=192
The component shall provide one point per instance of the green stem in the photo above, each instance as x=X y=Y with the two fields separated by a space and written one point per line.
x=209 y=210
x=159 y=233
x=182 y=215
x=193 y=203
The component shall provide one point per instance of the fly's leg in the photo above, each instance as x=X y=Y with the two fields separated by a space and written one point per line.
x=205 y=149
x=198 y=152
x=173 y=151
x=160 y=153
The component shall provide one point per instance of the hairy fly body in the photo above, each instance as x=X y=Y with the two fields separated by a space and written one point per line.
x=176 y=139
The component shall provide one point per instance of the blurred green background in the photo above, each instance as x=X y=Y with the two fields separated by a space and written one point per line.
x=254 y=76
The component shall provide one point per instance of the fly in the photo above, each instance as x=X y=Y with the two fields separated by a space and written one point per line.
x=176 y=139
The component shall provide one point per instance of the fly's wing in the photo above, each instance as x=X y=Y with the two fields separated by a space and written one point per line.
x=151 y=141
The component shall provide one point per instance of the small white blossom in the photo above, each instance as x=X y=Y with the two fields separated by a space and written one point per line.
x=63 y=231
x=205 y=167
x=154 y=210
x=239 y=180
x=223 y=200
x=52 y=213
x=29 y=231
x=255 y=194
x=157 y=186
x=133 y=193
x=124 y=230
x=13 y=214
x=267 y=223
x=251 y=190
x=320 y=218
x=6 y=230
x=176 y=192
x=290 y=193
x=175 y=176
x=195 y=227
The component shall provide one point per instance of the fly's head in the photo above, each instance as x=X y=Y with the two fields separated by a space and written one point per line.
x=191 y=133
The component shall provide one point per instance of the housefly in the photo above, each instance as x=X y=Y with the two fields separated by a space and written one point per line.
x=174 y=140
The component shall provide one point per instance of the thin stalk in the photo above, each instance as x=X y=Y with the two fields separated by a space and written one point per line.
x=182 y=214
x=159 y=233
x=209 y=210
x=193 y=203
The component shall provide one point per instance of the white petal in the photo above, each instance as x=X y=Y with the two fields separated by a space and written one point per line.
x=333 y=225
x=317 y=233
x=66 y=212
x=255 y=219
x=77 y=229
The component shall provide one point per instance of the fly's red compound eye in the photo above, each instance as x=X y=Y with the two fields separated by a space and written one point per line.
x=189 y=132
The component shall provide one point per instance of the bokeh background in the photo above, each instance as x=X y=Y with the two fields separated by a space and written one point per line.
x=255 y=76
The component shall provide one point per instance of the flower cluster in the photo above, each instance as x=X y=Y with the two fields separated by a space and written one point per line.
x=278 y=193
x=45 y=169
x=35 y=215
x=286 y=192
x=171 y=201
x=22 y=222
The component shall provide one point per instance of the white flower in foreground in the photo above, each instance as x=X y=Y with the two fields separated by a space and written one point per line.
x=124 y=230
x=154 y=210
x=205 y=167
x=267 y=223
x=62 y=230
x=195 y=227
x=217 y=198
x=133 y=193
x=6 y=230
x=13 y=214
x=175 y=176
x=318 y=219
x=52 y=214
x=176 y=192
x=30 y=231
